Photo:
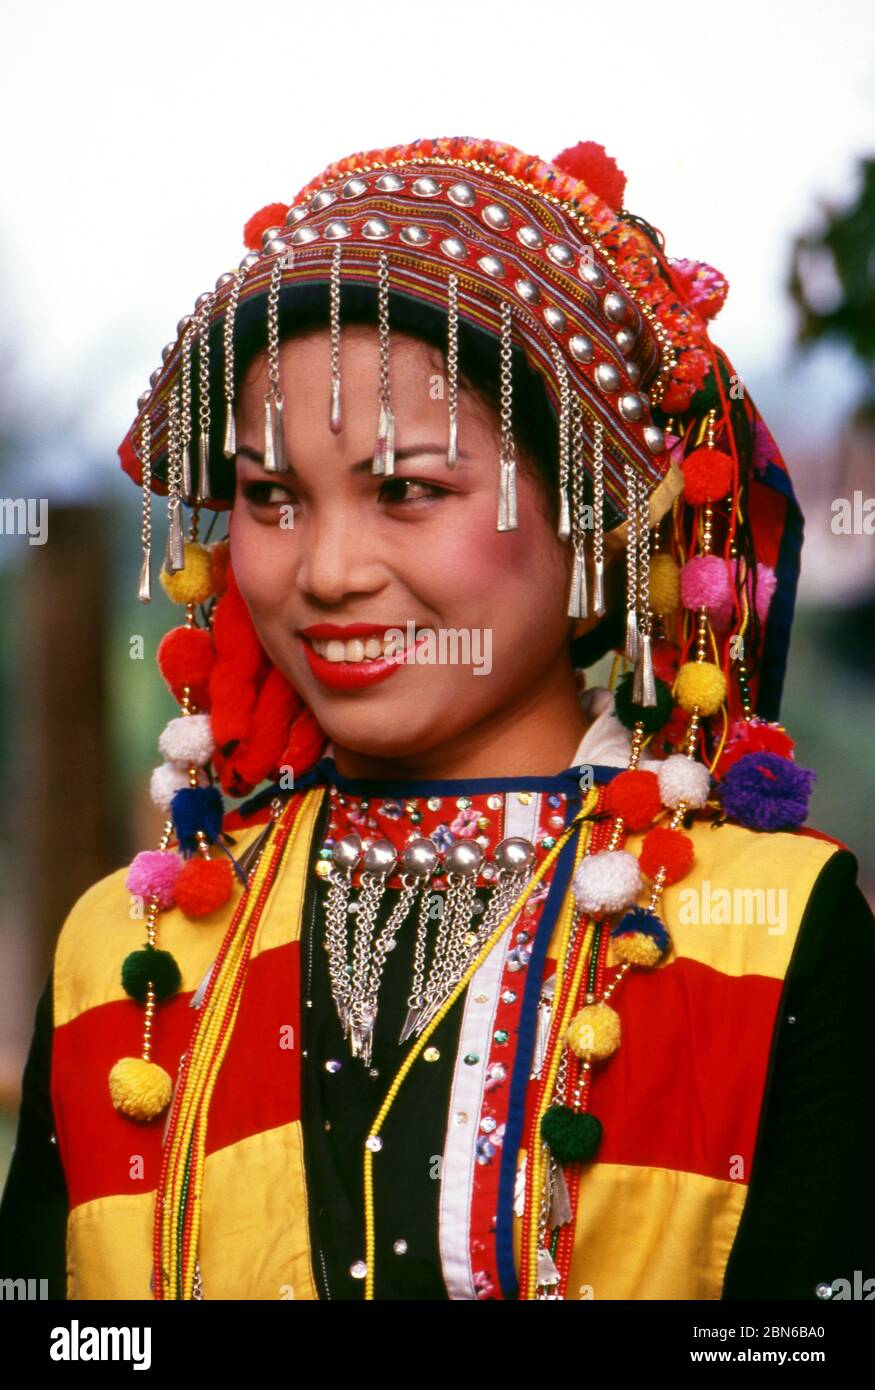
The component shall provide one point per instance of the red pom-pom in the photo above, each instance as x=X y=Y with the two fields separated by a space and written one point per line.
x=668 y=849
x=273 y=215
x=707 y=475
x=220 y=559
x=186 y=657
x=590 y=163
x=753 y=736
x=203 y=885
x=634 y=795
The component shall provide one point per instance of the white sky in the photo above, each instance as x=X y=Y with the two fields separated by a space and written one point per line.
x=139 y=138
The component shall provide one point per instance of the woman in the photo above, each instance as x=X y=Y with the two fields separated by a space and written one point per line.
x=501 y=987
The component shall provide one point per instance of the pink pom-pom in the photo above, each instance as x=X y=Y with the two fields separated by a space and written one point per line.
x=154 y=871
x=705 y=584
x=767 y=583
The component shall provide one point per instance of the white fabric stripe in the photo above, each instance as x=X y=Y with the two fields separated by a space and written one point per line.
x=466 y=1096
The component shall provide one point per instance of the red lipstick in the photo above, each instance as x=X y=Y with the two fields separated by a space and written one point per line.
x=353 y=675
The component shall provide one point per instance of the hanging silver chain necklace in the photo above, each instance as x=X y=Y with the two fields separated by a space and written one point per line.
x=355 y=968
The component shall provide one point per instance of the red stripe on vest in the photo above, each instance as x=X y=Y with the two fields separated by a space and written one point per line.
x=257 y=1089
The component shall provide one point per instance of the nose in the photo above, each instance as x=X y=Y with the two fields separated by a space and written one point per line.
x=337 y=556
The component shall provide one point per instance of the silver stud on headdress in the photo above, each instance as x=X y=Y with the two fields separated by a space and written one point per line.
x=598 y=507
x=631 y=566
x=578 y=600
x=507 y=499
x=335 y=418
x=144 y=589
x=384 y=449
x=453 y=370
x=274 y=440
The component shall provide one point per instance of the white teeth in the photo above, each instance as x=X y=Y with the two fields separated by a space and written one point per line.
x=355 y=649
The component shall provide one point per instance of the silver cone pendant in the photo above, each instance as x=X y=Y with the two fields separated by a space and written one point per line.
x=144 y=588
x=598 y=589
x=229 y=447
x=335 y=419
x=203 y=458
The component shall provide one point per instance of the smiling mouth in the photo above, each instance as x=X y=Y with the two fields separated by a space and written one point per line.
x=356 y=649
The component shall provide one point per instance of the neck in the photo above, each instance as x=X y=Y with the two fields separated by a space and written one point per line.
x=535 y=735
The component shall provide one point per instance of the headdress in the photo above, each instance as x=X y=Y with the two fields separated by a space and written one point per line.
x=656 y=437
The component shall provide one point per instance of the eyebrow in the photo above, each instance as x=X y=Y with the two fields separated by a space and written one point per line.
x=364 y=465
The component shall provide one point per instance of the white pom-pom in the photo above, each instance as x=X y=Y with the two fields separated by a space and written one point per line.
x=166 y=781
x=188 y=739
x=607 y=881
x=683 y=779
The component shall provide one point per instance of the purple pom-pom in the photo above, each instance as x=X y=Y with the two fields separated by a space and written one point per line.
x=193 y=809
x=767 y=792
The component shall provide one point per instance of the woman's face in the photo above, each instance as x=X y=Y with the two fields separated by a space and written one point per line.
x=331 y=543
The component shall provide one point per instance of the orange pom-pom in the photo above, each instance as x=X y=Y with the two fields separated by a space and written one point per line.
x=668 y=849
x=273 y=215
x=634 y=795
x=707 y=476
x=590 y=163
x=186 y=657
x=203 y=885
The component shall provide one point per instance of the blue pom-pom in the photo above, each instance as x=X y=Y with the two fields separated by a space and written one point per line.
x=638 y=919
x=193 y=809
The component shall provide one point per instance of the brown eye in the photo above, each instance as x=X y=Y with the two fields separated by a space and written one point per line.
x=261 y=494
x=395 y=489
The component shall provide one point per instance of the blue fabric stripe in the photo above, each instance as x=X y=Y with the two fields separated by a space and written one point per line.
x=568 y=783
x=507 y=1272
x=776 y=643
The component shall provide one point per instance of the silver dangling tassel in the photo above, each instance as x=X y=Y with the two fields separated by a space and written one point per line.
x=186 y=486
x=203 y=360
x=507 y=496
x=229 y=445
x=377 y=864
x=144 y=588
x=578 y=599
x=631 y=568
x=644 y=685
x=174 y=555
x=416 y=997
x=563 y=529
x=453 y=370
x=598 y=507
x=345 y=856
x=335 y=418
x=274 y=436
x=384 y=449
x=462 y=864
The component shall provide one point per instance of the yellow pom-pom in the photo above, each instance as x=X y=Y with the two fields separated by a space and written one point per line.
x=702 y=684
x=665 y=584
x=194 y=584
x=636 y=948
x=594 y=1032
x=139 y=1089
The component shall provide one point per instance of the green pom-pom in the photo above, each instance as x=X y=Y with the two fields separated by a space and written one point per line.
x=571 y=1135
x=149 y=964
x=653 y=717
